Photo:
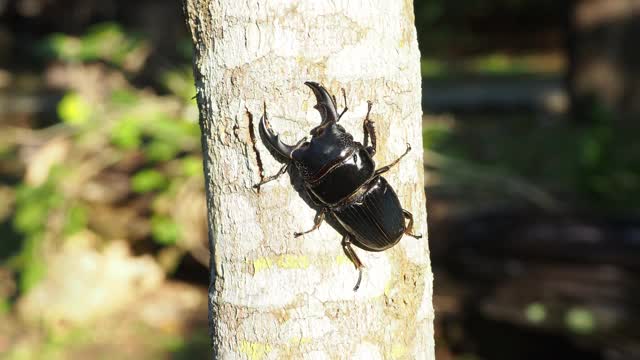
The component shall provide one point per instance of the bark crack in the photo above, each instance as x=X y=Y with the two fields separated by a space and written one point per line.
x=252 y=136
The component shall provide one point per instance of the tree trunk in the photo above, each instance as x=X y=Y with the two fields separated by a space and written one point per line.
x=274 y=296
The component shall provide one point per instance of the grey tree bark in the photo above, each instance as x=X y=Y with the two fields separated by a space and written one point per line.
x=273 y=296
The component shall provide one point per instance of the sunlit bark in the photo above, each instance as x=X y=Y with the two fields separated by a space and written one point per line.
x=273 y=296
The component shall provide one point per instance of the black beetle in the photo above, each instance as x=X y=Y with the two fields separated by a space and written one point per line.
x=340 y=176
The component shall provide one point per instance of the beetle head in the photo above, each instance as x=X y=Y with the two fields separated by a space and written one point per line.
x=328 y=145
x=329 y=142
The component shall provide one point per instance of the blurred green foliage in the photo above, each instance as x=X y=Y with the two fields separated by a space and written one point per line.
x=580 y=320
x=152 y=134
x=492 y=65
x=148 y=180
x=73 y=109
x=5 y=306
x=126 y=134
x=33 y=204
x=595 y=166
x=180 y=82
x=165 y=230
x=77 y=342
x=536 y=313
x=32 y=208
x=107 y=42
x=191 y=166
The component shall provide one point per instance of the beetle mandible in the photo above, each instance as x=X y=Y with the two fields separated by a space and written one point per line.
x=339 y=175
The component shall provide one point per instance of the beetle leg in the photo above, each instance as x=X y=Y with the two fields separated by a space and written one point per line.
x=384 y=169
x=351 y=254
x=369 y=131
x=346 y=107
x=282 y=170
x=409 y=228
x=319 y=219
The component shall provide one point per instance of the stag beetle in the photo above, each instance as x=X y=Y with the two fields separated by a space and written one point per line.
x=340 y=177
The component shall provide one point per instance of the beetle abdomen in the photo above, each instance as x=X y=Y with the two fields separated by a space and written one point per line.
x=338 y=182
x=376 y=219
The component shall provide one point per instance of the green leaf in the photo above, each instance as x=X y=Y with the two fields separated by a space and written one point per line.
x=127 y=134
x=77 y=219
x=171 y=129
x=124 y=97
x=108 y=41
x=33 y=205
x=33 y=269
x=30 y=217
x=62 y=47
x=148 y=180
x=164 y=230
x=5 y=306
x=192 y=166
x=73 y=109
x=161 y=151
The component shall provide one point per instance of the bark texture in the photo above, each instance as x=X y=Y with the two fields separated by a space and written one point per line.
x=273 y=296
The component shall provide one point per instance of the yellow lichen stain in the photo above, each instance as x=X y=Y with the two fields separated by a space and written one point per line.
x=261 y=264
x=342 y=259
x=398 y=351
x=286 y=261
x=387 y=288
x=254 y=350
x=299 y=340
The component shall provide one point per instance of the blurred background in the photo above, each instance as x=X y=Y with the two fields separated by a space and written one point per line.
x=533 y=179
